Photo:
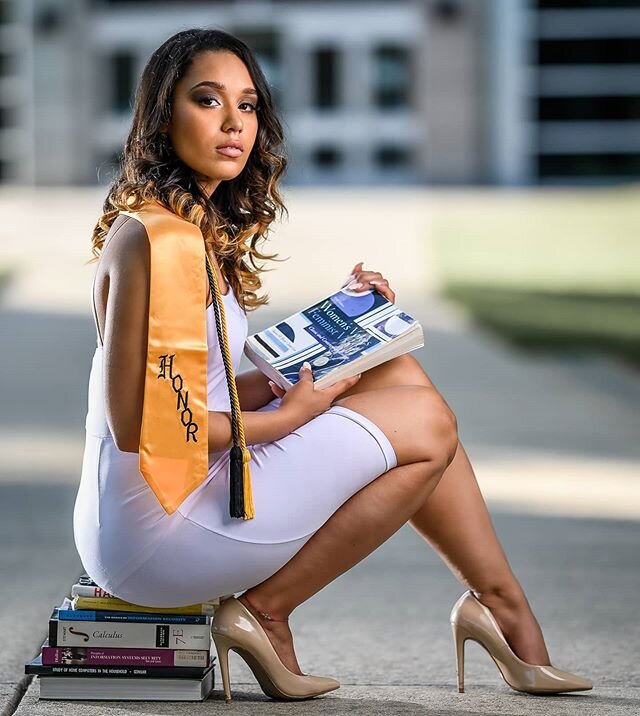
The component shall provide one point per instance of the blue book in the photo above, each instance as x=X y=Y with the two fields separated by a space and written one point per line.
x=341 y=335
x=82 y=615
x=66 y=612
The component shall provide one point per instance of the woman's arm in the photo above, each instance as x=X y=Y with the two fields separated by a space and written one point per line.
x=125 y=350
x=253 y=389
x=125 y=335
x=258 y=427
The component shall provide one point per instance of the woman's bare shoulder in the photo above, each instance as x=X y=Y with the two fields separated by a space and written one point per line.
x=126 y=243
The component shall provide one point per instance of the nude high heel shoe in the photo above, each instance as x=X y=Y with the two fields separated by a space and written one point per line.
x=471 y=619
x=235 y=628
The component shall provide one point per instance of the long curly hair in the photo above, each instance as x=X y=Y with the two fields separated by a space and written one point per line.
x=240 y=211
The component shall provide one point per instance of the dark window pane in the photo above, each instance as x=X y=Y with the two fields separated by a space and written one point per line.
x=571 y=4
x=559 y=109
x=391 y=76
x=585 y=165
x=589 y=51
x=327 y=157
x=325 y=72
x=391 y=157
x=8 y=64
x=122 y=80
x=5 y=12
x=8 y=117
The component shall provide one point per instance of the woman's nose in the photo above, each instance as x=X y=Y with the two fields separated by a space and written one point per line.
x=233 y=119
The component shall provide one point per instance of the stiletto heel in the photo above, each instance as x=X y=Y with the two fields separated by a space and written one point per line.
x=222 y=649
x=459 y=639
x=471 y=619
x=235 y=628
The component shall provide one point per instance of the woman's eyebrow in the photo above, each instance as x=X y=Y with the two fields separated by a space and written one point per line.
x=220 y=86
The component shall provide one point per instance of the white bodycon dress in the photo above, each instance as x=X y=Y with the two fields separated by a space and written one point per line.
x=133 y=549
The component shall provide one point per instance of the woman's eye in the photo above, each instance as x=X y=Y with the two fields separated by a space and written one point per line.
x=208 y=98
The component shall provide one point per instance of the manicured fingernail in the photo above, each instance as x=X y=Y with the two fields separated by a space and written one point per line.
x=306 y=365
x=349 y=278
x=353 y=286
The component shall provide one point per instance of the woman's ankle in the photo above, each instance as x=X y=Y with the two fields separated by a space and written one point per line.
x=267 y=610
x=507 y=596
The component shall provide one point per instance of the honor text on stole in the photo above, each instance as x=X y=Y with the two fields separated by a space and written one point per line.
x=182 y=404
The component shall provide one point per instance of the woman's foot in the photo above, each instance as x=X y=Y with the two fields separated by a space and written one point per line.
x=278 y=633
x=518 y=624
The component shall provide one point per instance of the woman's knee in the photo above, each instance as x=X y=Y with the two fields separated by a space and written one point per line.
x=405 y=369
x=440 y=429
x=416 y=419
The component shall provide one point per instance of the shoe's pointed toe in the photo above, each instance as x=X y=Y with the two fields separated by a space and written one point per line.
x=568 y=681
x=322 y=684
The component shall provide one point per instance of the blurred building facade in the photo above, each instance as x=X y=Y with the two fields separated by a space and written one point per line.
x=439 y=92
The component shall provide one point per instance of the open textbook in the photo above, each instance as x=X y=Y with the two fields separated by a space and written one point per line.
x=341 y=335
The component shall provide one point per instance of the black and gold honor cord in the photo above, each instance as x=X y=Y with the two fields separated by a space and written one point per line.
x=240 y=494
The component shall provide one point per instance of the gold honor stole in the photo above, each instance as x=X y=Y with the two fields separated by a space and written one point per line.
x=174 y=449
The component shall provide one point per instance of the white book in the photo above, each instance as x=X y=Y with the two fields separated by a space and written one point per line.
x=121 y=689
x=136 y=635
x=341 y=335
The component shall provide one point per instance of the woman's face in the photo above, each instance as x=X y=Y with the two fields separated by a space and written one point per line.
x=206 y=116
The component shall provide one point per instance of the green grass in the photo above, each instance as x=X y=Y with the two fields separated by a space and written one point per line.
x=6 y=274
x=547 y=269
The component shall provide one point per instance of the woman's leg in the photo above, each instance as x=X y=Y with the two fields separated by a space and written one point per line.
x=474 y=554
x=371 y=515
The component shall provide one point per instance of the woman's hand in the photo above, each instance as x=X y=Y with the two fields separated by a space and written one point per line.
x=303 y=401
x=360 y=280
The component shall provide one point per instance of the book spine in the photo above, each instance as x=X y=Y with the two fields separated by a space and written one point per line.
x=94 y=656
x=107 y=616
x=82 y=590
x=154 y=672
x=114 y=604
x=131 y=634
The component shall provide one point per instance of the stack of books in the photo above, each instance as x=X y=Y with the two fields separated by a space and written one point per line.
x=101 y=647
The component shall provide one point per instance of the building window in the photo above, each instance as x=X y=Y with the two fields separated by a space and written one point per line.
x=5 y=13
x=582 y=4
x=589 y=165
x=325 y=77
x=391 y=76
x=8 y=64
x=122 y=69
x=8 y=117
x=326 y=157
x=591 y=51
x=616 y=107
x=391 y=157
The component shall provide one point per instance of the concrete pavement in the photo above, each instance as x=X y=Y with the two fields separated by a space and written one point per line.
x=554 y=443
x=382 y=630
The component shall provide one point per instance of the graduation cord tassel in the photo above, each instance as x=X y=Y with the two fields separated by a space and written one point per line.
x=240 y=493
